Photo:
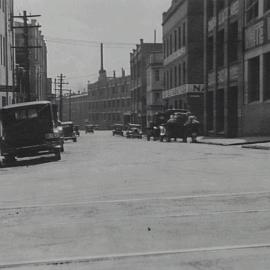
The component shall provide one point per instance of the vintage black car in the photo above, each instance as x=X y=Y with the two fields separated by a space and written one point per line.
x=89 y=128
x=68 y=131
x=27 y=130
x=154 y=128
x=134 y=131
x=180 y=125
x=118 y=129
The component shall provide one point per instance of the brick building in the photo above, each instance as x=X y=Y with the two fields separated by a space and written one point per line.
x=183 y=56
x=155 y=85
x=138 y=72
x=109 y=101
x=75 y=108
x=37 y=63
x=256 y=96
x=223 y=66
x=7 y=58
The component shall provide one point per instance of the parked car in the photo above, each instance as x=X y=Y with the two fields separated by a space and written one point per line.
x=77 y=130
x=58 y=126
x=118 y=129
x=27 y=130
x=180 y=125
x=68 y=131
x=161 y=118
x=134 y=131
x=89 y=128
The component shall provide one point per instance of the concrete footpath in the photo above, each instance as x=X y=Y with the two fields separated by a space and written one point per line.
x=246 y=142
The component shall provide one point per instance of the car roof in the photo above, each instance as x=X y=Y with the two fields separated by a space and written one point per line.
x=67 y=123
x=25 y=104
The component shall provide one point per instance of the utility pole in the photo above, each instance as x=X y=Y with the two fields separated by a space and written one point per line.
x=60 y=84
x=26 y=47
x=69 y=108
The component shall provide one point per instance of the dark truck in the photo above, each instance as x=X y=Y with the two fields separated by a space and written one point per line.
x=27 y=130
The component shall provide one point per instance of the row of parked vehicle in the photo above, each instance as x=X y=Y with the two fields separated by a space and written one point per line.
x=33 y=129
x=168 y=125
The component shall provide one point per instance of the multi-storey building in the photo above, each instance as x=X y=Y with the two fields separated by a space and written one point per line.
x=223 y=66
x=37 y=61
x=109 y=101
x=183 y=56
x=256 y=92
x=75 y=108
x=155 y=85
x=6 y=53
x=138 y=67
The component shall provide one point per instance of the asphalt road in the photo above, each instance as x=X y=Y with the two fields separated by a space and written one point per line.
x=117 y=203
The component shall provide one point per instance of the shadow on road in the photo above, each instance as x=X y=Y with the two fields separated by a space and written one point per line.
x=29 y=162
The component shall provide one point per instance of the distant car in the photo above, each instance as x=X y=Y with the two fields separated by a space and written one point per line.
x=28 y=129
x=89 y=128
x=68 y=131
x=134 y=131
x=118 y=129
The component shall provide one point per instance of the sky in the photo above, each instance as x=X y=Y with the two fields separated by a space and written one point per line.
x=74 y=29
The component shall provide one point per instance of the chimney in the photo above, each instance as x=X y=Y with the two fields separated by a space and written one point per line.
x=123 y=73
x=141 y=40
x=101 y=56
x=114 y=74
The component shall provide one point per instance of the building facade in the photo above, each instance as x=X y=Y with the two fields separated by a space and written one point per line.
x=183 y=56
x=223 y=66
x=109 y=101
x=138 y=72
x=75 y=108
x=37 y=61
x=256 y=92
x=155 y=85
x=7 y=58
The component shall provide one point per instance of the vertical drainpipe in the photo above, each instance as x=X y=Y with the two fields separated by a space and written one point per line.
x=6 y=52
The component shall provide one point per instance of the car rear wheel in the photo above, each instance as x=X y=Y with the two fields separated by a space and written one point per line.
x=57 y=155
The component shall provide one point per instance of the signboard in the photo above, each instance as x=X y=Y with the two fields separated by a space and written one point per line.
x=183 y=89
x=175 y=55
x=234 y=8
x=255 y=35
x=4 y=88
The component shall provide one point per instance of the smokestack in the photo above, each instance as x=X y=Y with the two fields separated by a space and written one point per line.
x=114 y=74
x=101 y=56
x=155 y=36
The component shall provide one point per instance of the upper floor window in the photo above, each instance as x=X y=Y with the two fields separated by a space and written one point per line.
x=184 y=34
x=157 y=77
x=266 y=5
x=252 y=10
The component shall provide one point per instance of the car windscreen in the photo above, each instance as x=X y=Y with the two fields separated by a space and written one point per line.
x=15 y=116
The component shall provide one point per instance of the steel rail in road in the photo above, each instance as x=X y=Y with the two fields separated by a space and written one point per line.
x=115 y=257
x=212 y=195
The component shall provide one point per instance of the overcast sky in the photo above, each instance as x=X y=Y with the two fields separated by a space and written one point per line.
x=66 y=24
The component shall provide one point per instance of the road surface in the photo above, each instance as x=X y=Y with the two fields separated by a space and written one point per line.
x=117 y=203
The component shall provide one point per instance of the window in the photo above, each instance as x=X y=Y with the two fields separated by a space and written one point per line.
x=175 y=40
x=220 y=48
x=184 y=73
x=179 y=75
x=170 y=44
x=233 y=42
x=266 y=5
x=179 y=38
x=266 y=76
x=175 y=76
x=210 y=9
x=253 y=79
x=252 y=10
x=157 y=77
x=184 y=34
x=210 y=54
x=156 y=97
